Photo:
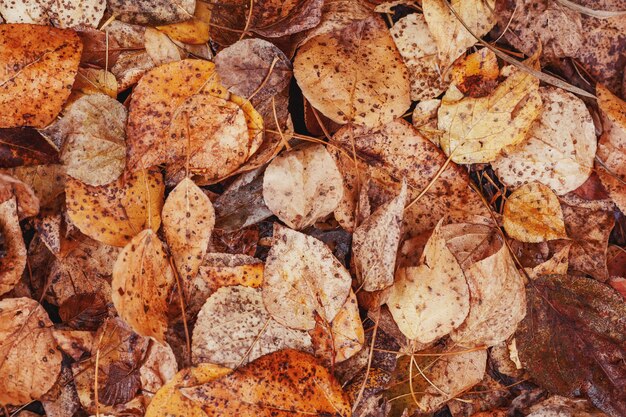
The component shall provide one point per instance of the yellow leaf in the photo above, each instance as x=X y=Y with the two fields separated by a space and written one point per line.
x=194 y=31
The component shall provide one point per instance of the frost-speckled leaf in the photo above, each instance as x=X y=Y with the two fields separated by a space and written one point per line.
x=63 y=14
x=302 y=186
x=532 y=213
x=355 y=74
x=152 y=12
x=233 y=328
x=141 y=286
x=302 y=279
x=14 y=260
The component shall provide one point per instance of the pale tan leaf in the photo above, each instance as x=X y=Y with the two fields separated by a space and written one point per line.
x=194 y=31
x=532 y=213
x=559 y=149
x=160 y=47
x=14 y=260
x=302 y=186
x=338 y=14
x=430 y=300
x=29 y=360
x=93 y=81
x=63 y=14
x=27 y=201
x=152 y=12
x=158 y=368
x=302 y=279
x=354 y=75
x=142 y=282
x=347 y=330
x=46 y=181
x=233 y=328
x=188 y=220
x=556 y=265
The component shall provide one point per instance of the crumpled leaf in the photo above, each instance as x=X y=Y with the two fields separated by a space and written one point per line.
x=348 y=336
x=123 y=208
x=152 y=12
x=25 y=147
x=302 y=279
x=355 y=74
x=532 y=213
x=14 y=259
x=419 y=52
x=475 y=130
x=233 y=328
x=302 y=186
x=476 y=74
x=142 y=282
x=37 y=75
x=430 y=300
x=559 y=149
x=450 y=35
x=572 y=340
x=375 y=244
x=92 y=135
x=66 y=14
x=283 y=383
x=26 y=200
x=29 y=360
x=338 y=14
x=611 y=164
x=188 y=220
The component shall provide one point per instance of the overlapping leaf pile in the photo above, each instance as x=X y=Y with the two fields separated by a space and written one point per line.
x=312 y=208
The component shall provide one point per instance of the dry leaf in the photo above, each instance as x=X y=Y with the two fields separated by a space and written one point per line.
x=559 y=149
x=611 y=157
x=302 y=186
x=194 y=31
x=24 y=147
x=29 y=360
x=532 y=213
x=355 y=74
x=93 y=81
x=338 y=14
x=142 y=282
x=46 y=181
x=36 y=76
x=158 y=367
x=375 y=244
x=476 y=75
x=66 y=14
x=188 y=220
x=284 y=383
x=99 y=47
x=475 y=130
x=26 y=200
x=152 y=12
x=558 y=264
x=115 y=212
x=302 y=279
x=14 y=256
x=233 y=328
x=347 y=331
x=160 y=47
x=430 y=300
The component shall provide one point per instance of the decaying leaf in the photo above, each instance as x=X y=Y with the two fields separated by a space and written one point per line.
x=611 y=157
x=14 y=256
x=93 y=81
x=152 y=12
x=188 y=220
x=29 y=360
x=475 y=130
x=572 y=340
x=375 y=244
x=46 y=181
x=142 y=282
x=233 y=328
x=26 y=200
x=194 y=31
x=115 y=212
x=347 y=331
x=476 y=74
x=302 y=279
x=302 y=186
x=65 y=14
x=557 y=406
x=160 y=47
x=283 y=383
x=532 y=213
x=559 y=149
x=355 y=74
x=36 y=76
x=430 y=300
x=25 y=147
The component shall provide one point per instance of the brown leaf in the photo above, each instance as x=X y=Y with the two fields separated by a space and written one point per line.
x=85 y=311
x=27 y=201
x=36 y=76
x=152 y=12
x=95 y=48
x=29 y=360
x=142 y=282
x=25 y=146
x=302 y=279
x=46 y=181
x=121 y=386
x=66 y=14
x=14 y=259
x=354 y=75
x=284 y=383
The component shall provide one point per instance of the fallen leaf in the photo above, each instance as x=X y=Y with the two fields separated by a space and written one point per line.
x=14 y=256
x=532 y=213
x=354 y=75
x=142 y=282
x=430 y=300
x=285 y=383
x=46 y=181
x=476 y=75
x=557 y=406
x=160 y=47
x=475 y=130
x=558 y=264
x=25 y=147
x=233 y=328
x=194 y=31
x=375 y=244
x=93 y=81
x=30 y=361
x=37 y=76
x=339 y=14
x=152 y=12
x=559 y=149
x=26 y=200
x=67 y=14
x=611 y=156
x=122 y=384
x=85 y=311
x=123 y=208
x=158 y=368
x=130 y=67
x=572 y=340
x=188 y=220
x=99 y=47
x=302 y=186
x=302 y=279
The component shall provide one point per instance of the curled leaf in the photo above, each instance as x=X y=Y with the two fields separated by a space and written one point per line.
x=14 y=259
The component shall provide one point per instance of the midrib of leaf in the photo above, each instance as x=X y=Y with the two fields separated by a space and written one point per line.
x=35 y=61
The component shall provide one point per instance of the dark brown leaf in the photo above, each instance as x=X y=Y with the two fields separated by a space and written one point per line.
x=84 y=311
x=25 y=146
x=122 y=384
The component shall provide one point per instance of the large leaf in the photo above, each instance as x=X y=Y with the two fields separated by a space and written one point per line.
x=152 y=12
x=573 y=339
x=65 y=14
